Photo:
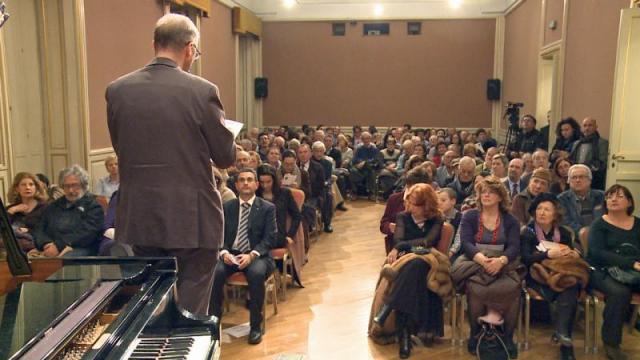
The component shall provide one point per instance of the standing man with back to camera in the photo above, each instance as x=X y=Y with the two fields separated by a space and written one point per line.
x=166 y=127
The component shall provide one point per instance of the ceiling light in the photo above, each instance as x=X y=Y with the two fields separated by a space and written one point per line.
x=378 y=10
x=455 y=3
x=288 y=3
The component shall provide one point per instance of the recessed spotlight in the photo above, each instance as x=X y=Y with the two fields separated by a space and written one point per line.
x=378 y=10
x=455 y=3
x=289 y=3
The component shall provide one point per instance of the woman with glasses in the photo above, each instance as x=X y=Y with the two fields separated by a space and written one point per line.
x=417 y=308
x=487 y=270
x=614 y=241
x=545 y=239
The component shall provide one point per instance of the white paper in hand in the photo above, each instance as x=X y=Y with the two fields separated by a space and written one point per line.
x=234 y=126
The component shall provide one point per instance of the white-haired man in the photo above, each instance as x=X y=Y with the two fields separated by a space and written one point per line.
x=581 y=203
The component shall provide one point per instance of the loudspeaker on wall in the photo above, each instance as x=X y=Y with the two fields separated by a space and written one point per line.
x=261 y=87
x=493 y=89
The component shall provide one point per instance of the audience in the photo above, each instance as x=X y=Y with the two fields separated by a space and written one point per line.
x=560 y=175
x=592 y=150
x=614 y=240
x=71 y=225
x=395 y=205
x=326 y=207
x=27 y=202
x=514 y=182
x=463 y=181
x=364 y=165
x=417 y=307
x=582 y=204
x=528 y=140
x=539 y=183
x=544 y=239
x=445 y=172
x=567 y=133
x=488 y=270
x=499 y=166
x=109 y=184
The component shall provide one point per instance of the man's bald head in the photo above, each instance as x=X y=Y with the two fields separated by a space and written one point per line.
x=589 y=126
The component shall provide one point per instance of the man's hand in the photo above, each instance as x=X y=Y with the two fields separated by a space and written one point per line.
x=636 y=266
x=392 y=227
x=244 y=260
x=360 y=165
x=229 y=259
x=289 y=240
x=50 y=250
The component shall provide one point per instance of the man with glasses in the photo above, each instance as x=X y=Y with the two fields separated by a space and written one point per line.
x=581 y=203
x=167 y=128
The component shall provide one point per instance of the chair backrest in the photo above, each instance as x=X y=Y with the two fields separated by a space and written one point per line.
x=446 y=235
x=298 y=197
x=583 y=235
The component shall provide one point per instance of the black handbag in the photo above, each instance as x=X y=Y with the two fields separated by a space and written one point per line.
x=627 y=277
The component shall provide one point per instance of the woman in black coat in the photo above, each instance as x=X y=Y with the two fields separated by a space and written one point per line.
x=282 y=198
x=543 y=238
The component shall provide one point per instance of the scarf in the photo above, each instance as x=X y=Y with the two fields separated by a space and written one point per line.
x=540 y=234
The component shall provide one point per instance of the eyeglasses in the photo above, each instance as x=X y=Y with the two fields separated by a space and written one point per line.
x=578 y=177
x=198 y=52
x=73 y=186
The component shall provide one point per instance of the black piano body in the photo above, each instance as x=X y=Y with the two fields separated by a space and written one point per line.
x=100 y=308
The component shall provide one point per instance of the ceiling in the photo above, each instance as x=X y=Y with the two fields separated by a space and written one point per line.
x=276 y=10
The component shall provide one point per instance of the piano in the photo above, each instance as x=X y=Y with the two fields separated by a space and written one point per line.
x=96 y=308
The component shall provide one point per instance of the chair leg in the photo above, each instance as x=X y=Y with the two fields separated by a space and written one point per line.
x=634 y=318
x=587 y=324
x=454 y=319
x=274 y=297
x=527 y=319
x=596 y=324
x=461 y=316
x=519 y=324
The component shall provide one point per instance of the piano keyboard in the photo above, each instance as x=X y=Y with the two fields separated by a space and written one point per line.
x=173 y=347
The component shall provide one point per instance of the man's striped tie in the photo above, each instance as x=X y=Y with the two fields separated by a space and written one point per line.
x=242 y=241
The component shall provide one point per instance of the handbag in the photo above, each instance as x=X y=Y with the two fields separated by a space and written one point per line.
x=627 y=277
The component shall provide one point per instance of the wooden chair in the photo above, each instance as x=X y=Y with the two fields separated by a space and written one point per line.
x=238 y=279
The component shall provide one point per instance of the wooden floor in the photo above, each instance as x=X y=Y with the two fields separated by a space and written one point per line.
x=328 y=318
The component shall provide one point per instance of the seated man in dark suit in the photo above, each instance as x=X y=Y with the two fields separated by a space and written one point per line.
x=317 y=182
x=249 y=235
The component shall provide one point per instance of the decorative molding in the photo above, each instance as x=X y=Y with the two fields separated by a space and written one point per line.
x=96 y=166
x=513 y=6
x=245 y=22
x=83 y=76
x=6 y=154
x=551 y=47
x=5 y=183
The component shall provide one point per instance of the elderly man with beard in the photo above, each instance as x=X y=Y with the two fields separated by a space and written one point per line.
x=462 y=184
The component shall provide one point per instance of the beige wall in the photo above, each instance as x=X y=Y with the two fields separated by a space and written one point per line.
x=591 y=44
x=553 y=11
x=218 y=59
x=433 y=79
x=119 y=40
x=521 y=46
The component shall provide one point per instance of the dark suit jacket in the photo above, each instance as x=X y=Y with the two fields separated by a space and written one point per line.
x=395 y=205
x=262 y=225
x=523 y=185
x=166 y=128
x=316 y=178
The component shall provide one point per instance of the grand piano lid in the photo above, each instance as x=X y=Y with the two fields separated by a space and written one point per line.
x=105 y=272
x=32 y=307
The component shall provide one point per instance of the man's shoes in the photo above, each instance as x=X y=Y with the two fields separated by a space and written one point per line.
x=255 y=336
x=328 y=228
x=512 y=348
x=405 y=343
x=472 y=344
x=341 y=207
x=614 y=353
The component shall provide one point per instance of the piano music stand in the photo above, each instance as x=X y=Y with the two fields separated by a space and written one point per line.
x=16 y=259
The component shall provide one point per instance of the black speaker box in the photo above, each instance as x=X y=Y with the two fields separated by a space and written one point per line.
x=493 y=89
x=261 y=88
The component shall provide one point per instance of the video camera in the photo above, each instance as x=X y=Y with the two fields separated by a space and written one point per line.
x=512 y=113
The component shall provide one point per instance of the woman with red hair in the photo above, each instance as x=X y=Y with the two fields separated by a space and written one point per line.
x=417 y=308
